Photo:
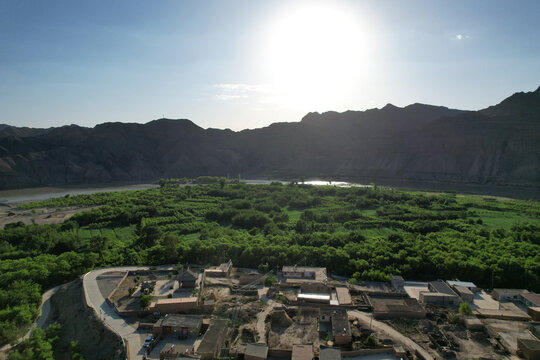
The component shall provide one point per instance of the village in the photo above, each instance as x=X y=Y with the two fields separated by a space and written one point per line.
x=304 y=313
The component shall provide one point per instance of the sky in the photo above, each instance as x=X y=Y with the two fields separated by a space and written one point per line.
x=246 y=64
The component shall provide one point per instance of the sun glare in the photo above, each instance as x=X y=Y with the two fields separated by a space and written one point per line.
x=315 y=55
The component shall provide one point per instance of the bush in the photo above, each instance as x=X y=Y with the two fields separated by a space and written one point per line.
x=465 y=308
x=145 y=301
x=270 y=280
x=370 y=341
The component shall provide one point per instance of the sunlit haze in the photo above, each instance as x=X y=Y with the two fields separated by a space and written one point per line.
x=247 y=64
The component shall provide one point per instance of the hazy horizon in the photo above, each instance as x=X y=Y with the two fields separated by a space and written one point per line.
x=242 y=64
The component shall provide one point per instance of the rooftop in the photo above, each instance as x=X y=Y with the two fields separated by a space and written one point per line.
x=187 y=275
x=532 y=297
x=327 y=353
x=387 y=304
x=530 y=344
x=314 y=297
x=190 y=321
x=466 y=284
x=441 y=287
x=510 y=291
x=302 y=352
x=340 y=322
x=190 y=299
x=257 y=350
x=343 y=295
x=464 y=290
x=212 y=336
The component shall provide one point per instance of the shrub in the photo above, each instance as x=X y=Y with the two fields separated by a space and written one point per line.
x=465 y=308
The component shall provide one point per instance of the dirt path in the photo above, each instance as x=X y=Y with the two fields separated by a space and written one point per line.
x=391 y=332
x=261 y=317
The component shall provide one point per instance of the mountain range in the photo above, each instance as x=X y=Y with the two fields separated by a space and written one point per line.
x=499 y=145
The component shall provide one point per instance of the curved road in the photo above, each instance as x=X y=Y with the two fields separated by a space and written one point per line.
x=390 y=331
x=108 y=315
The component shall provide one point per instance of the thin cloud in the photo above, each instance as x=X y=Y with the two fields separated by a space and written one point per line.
x=238 y=91
x=461 y=36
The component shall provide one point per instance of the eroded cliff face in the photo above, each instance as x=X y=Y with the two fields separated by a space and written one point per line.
x=497 y=145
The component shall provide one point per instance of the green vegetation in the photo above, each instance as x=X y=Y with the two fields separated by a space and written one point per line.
x=145 y=301
x=270 y=280
x=465 y=309
x=370 y=341
x=40 y=345
x=361 y=233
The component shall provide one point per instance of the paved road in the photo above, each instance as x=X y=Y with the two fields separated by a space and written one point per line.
x=391 y=332
x=108 y=315
x=130 y=335
x=44 y=312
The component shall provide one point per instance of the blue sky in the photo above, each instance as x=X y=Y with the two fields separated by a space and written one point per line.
x=246 y=64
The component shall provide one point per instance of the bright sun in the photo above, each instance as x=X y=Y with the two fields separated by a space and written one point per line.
x=315 y=55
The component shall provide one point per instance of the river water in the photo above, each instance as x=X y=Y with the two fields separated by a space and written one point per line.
x=45 y=193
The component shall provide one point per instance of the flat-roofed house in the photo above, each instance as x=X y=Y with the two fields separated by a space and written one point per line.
x=302 y=352
x=439 y=294
x=223 y=270
x=174 y=305
x=213 y=339
x=304 y=273
x=471 y=286
x=187 y=279
x=180 y=325
x=341 y=329
x=328 y=353
x=531 y=299
x=508 y=294
x=464 y=293
x=256 y=352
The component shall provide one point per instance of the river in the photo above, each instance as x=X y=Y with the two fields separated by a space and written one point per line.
x=45 y=193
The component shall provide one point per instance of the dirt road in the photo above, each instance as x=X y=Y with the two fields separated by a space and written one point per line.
x=261 y=317
x=391 y=332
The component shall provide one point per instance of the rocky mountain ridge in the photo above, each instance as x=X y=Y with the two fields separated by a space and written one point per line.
x=498 y=145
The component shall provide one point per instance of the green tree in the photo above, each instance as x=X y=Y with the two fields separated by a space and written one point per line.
x=270 y=280
x=145 y=301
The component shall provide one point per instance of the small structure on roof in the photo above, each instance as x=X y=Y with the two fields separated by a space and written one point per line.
x=473 y=323
x=397 y=281
x=256 y=352
x=223 y=270
x=314 y=298
x=534 y=313
x=302 y=352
